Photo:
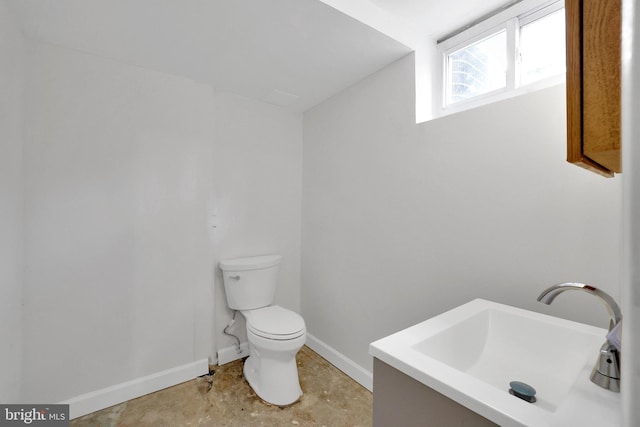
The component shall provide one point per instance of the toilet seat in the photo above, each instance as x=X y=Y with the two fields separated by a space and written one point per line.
x=275 y=322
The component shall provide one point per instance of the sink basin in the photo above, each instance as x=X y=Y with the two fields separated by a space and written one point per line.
x=471 y=354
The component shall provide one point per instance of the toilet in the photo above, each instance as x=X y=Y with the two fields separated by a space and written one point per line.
x=275 y=334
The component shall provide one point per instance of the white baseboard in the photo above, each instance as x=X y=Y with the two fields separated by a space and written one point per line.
x=229 y=354
x=337 y=359
x=342 y=362
x=100 y=399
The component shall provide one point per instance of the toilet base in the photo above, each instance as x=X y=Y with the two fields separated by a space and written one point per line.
x=279 y=390
x=273 y=376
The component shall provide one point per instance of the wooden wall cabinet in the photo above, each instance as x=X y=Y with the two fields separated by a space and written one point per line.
x=593 y=84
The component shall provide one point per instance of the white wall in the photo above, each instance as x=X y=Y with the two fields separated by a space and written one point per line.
x=257 y=174
x=404 y=221
x=118 y=177
x=11 y=214
x=630 y=293
x=124 y=169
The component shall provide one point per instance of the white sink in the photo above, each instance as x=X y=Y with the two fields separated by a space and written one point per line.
x=471 y=353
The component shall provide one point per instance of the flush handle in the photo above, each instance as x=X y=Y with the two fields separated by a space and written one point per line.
x=234 y=277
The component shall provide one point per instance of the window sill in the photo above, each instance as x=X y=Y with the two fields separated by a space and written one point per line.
x=498 y=96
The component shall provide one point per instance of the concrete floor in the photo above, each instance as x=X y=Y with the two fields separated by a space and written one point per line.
x=330 y=398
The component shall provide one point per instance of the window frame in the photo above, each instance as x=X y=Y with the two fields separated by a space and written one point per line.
x=510 y=20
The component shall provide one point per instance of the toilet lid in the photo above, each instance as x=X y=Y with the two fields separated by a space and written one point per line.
x=275 y=322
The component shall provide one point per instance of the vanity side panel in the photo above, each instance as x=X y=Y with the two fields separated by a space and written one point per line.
x=399 y=400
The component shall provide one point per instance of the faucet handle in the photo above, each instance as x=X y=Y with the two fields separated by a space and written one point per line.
x=614 y=337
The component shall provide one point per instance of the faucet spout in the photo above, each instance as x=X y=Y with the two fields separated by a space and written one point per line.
x=606 y=372
x=615 y=315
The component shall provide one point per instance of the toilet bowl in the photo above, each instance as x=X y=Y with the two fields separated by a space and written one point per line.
x=271 y=368
x=275 y=334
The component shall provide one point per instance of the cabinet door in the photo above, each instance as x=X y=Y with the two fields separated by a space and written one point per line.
x=593 y=84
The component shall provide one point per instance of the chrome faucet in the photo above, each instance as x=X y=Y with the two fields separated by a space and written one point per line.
x=606 y=372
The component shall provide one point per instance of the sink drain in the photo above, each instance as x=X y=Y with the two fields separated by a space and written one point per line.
x=523 y=391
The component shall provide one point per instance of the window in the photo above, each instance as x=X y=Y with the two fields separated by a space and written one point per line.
x=477 y=69
x=542 y=48
x=516 y=48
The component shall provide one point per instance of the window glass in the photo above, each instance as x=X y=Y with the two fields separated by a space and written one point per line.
x=516 y=50
x=477 y=68
x=542 y=48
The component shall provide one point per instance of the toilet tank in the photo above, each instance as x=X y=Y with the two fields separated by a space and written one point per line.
x=250 y=283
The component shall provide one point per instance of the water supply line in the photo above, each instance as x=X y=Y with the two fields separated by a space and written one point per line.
x=230 y=324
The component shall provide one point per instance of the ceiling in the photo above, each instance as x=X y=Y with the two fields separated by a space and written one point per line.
x=416 y=22
x=437 y=18
x=293 y=53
